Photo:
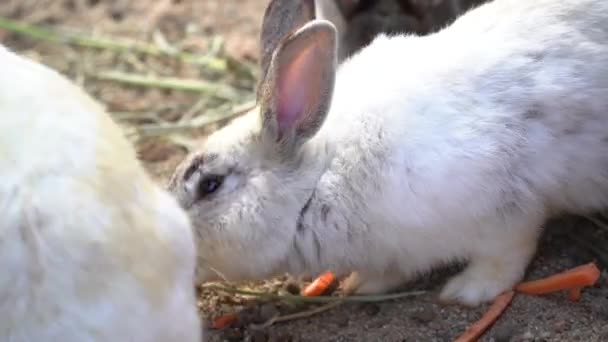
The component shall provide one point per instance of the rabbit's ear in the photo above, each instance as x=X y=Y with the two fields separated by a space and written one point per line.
x=282 y=18
x=297 y=92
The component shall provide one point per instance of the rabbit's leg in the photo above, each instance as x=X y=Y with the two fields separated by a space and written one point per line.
x=495 y=267
x=366 y=283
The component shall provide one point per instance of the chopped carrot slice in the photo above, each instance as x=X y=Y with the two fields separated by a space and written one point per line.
x=573 y=280
x=224 y=321
x=319 y=285
x=496 y=309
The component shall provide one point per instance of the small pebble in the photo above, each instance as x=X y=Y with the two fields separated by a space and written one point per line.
x=248 y=315
x=370 y=309
x=561 y=326
x=258 y=336
x=274 y=336
x=268 y=311
x=424 y=315
x=292 y=287
x=225 y=299
x=377 y=324
x=342 y=321
x=117 y=12
x=528 y=336
x=232 y=335
x=599 y=306
x=213 y=302
x=504 y=332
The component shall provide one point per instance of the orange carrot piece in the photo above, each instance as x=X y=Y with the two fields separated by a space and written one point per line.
x=224 y=321
x=477 y=329
x=573 y=280
x=319 y=285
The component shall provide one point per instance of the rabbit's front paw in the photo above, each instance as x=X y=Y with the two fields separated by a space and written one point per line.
x=482 y=281
x=367 y=284
x=471 y=288
x=500 y=264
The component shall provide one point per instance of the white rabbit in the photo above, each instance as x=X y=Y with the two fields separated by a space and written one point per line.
x=90 y=248
x=427 y=150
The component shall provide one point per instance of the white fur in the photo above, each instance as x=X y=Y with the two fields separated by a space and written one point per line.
x=90 y=248
x=454 y=146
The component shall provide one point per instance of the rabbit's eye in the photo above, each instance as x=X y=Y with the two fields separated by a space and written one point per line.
x=209 y=184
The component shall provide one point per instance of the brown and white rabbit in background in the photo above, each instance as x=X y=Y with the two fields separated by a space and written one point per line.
x=359 y=21
x=415 y=152
x=90 y=248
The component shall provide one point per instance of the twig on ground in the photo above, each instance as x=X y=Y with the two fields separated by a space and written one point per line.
x=297 y=315
x=194 y=110
x=319 y=299
x=220 y=91
x=197 y=123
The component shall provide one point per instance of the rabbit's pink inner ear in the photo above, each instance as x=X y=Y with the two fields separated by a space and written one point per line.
x=299 y=89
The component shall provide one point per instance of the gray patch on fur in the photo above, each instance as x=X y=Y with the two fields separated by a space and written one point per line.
x=317 y=243
x=537 y=56
x=325 y=209
x=573 y=130
x=534 y=113
x=300 y=223
x=296 y=247
x=349 y=234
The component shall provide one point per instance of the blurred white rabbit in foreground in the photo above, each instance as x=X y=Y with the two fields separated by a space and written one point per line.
x=415 y=152
x=90 y=248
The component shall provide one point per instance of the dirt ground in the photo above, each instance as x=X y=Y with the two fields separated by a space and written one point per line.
x=163 y=125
